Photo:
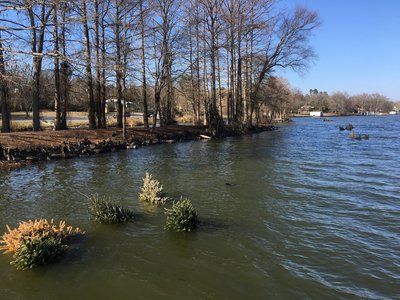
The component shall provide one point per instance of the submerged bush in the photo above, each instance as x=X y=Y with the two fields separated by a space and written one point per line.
x=358 y=136
x=106 y=211
x=181 y=217
x=37 y=252
x=152 y=191
x=38 y=229
x=349 y=127
x=36 y=243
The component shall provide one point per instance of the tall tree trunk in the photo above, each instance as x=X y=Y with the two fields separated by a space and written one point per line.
x=211 y=18
x=192 y=81
x=198 y=79
x=36 y=73
x=214 y=111
x=99 y=111
x=170 y=94
x=89 y=79
x=36 y=93
x=251 y=93
x=143 y=57
x=57 y=94
x=118 y=71
x=124 y=70
x=239 y=112
x=166 y=79
x=37 y=53
x=4 y=95
x=219 y=79
x=228 y=82
x=245 y=88
x=157 y=98
x=205 y=80
x=232 y=63
x=64 y=71
x=157 y=90
x=103 y=70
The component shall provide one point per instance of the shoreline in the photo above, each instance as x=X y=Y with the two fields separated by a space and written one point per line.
x=332 y=115
x=18 y=149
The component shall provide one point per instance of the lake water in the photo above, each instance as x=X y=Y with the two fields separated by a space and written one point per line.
x=303 y=212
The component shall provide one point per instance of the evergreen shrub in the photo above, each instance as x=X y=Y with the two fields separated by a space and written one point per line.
x=181 y=216
x=106 y=211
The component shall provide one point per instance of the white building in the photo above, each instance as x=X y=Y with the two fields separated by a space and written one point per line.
x=111 y=105
x=316 y=114
x=395 y=111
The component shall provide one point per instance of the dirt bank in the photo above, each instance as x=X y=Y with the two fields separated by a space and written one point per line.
x=22 y=148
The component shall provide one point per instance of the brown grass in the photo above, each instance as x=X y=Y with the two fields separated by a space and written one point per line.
x=37 y=229
x=25 y=123
x=45 y=113
x=21 y=126
x=130 y=122
x=185 y=119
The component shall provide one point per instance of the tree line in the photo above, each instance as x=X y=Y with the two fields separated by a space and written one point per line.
x=280 y=101
x=344 y=104
x=217 y=56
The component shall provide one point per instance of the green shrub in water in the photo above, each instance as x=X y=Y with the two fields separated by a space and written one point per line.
x=358 y=136
x=152 y=191
x=362 y=137
x=349 y=127
x=106 y=211
x=37 y=252
x=181 y=217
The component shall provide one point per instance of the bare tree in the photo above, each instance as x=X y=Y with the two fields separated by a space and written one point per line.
x=143 y=59
x=99 y=110
x=65 y=66
x=4 y=95
x=158 y=84
x=57 y=84
x=232 y=48
x=118 y=63
x=190 y=18
x=211 y=8
x=231 y=17
x=126 y=40
x=197 y=62
x=104 y=9
x=39 y=13
x=288 y=47
x=88 y=59
x=165 y=21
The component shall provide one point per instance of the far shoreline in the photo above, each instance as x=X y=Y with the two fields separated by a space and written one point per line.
x=329 y=115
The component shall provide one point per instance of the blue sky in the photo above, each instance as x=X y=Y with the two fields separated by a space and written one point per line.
x=358 y=48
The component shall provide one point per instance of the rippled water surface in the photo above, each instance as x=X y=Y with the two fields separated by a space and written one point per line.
x=300 y=213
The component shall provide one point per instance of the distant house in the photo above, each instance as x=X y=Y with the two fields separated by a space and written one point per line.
x=316 y=114
x=395 y=111
x=111 y=105
x=306 y=109
x=362 y=112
